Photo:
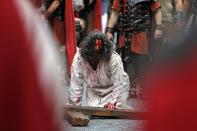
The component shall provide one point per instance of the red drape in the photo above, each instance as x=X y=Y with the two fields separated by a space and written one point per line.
x=70 y=28
x=98 y=15
x=172 y=100
x=22 y=104
x=37 y=3
x=70 y=33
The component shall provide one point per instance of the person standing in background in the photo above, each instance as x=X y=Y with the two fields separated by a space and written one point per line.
x=135 y=33
x=55 y=15
x=172 y=19
x=190 y=7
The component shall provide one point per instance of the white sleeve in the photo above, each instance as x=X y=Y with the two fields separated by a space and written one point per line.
x=119 y=78
x=77 y=80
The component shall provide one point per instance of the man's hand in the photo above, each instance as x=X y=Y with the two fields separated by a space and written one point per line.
x=109 y=35
x=110 y=106
x=158 y=34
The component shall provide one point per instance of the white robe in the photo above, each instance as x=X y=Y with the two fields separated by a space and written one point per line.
x=108 y=83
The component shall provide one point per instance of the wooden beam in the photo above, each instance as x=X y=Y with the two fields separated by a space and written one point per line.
x=102 y=112
x=76 y=118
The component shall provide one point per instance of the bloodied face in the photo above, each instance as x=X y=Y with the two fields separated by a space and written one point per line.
x=97 y=50
x=96 y=47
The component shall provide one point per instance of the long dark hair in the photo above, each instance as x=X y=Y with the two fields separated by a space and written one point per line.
x=88 y=50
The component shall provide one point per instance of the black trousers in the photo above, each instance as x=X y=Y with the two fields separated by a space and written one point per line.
x=136 y=64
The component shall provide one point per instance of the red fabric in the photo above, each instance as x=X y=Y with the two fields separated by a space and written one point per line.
x=70 y=33
x=59 y=31
x=122 y=40
x=76 y=15
x=173 y=96
x=125 y=6
x=37 y=3
x=139 y=40
x=155 y=6
x=116 y=5
x=140 y=43
x=22 y=105
x=98 y=15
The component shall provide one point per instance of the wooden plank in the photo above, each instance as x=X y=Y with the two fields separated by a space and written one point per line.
x=77 y=118
x=102 y=112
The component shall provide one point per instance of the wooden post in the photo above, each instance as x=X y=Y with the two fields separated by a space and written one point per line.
x=77 y=118
x=102 y=112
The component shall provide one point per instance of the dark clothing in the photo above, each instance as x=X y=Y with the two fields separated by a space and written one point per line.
x=135 y=22
x=135 y=16
x=59 y=12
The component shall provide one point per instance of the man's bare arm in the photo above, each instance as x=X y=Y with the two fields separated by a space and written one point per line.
x=179 y=14
x=158 y=17
x=112 y=21
x=186 y=4
x=158 y=20
x=179 y=5
x=54 y=5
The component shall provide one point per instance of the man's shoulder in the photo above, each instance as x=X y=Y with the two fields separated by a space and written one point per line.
x=78 y=57
x=115 y=57
x=115 y=54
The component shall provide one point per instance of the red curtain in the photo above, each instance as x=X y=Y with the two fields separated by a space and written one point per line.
x=98 y=15
x=70 y=46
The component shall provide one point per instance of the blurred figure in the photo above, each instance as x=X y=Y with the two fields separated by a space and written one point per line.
x=92 y=14
x=99 y=68
x=173 y=22
x=191 y=13
x=37 y=3
x=173 y=85
x=65 y=25
x=55 y=14
x=179 y=14
x=78 y=5
x=30 y=94
x=172 y=16
x=186 y=4
x=87 y=17
x=80 y=23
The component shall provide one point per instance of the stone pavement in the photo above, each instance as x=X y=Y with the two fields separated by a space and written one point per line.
x=108 y=125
